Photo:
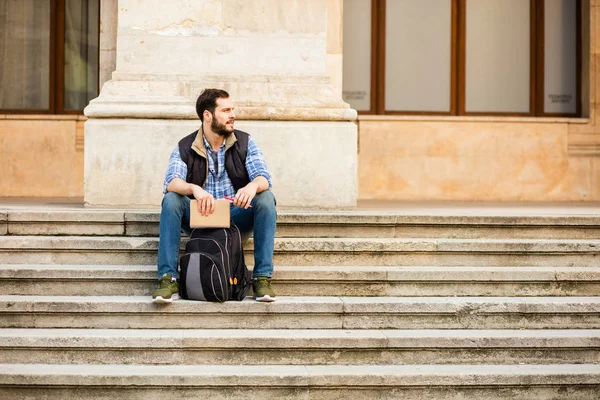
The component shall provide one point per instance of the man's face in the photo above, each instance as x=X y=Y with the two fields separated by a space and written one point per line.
x=223 y=118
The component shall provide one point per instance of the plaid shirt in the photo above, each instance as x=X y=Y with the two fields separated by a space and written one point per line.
x=218 y=183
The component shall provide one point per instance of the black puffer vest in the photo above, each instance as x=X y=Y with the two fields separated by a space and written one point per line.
x=235 y=159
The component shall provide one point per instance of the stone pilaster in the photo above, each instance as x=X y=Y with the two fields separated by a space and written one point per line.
x=270 y=55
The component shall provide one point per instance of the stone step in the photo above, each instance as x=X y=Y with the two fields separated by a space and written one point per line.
x=298 y=347
x=412 y=382
x=140 y=280
x=316 y=251
x=303 y=313
x=378 y=224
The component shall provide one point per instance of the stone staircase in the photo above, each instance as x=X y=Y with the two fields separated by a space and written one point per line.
x=371 y=304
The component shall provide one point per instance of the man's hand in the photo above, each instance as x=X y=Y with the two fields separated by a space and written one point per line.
x=206 y=201
x=244 y=196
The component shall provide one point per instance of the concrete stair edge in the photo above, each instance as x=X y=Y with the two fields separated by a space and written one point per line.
x=298 y=375
x=16 y=338
x=318 y=273
x=306 y=304
x=311 y=217
x=314 y=244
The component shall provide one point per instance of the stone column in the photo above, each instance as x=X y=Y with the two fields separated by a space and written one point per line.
x=270 y=55
x=108 y=39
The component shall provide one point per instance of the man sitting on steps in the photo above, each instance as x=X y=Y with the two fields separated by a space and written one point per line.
x=212 y=153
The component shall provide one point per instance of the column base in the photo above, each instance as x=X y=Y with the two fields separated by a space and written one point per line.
x=312 y=163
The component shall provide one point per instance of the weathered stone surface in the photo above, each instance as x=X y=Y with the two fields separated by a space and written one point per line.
x=310 y=251
x=140 y=280
x=299 y=56
x=154 y=393
x=336 y=217
x=112 y=162
x=509 y=220
x=290 y=338
x=72 y=272
x=442 y=245
x=473 y=305
x=72 y=215
x=65 y=222
x=298 y=223
x=301 y=17
x=270 y=56
x=142 y=223
x=78 y=243
x=65 y=228
x=317 y=376
x=3 y=222
x=353 y=245
x=305 y=312
x=179 y=17
x=516 y=245
x=302 y=347
x=447 y=375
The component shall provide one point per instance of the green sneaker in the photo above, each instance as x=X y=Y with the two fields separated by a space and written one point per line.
x=167 y=291
x=262 y=289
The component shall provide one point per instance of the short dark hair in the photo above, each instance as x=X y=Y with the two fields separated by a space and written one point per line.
x=208 y=101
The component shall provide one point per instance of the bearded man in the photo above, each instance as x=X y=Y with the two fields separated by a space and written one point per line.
x=215 y=162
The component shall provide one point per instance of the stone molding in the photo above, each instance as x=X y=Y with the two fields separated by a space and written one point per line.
x=584 y=144
x=290 y=98
x=584 y=149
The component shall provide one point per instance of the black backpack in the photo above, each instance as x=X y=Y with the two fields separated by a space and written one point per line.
x=213 y=266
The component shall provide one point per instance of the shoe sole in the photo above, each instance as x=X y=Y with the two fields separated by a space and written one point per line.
x=265 y=299
x=162 y=300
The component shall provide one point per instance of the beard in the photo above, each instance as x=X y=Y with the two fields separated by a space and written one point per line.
x=220 y=129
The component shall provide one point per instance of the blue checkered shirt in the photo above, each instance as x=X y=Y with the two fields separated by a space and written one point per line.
x=218 y=183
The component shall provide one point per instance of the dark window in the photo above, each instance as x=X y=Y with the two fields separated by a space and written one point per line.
x=49 y=52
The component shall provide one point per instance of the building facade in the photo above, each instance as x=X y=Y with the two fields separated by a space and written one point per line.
x=476 y=100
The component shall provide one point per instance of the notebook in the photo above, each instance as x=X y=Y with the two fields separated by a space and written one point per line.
x=219 y=219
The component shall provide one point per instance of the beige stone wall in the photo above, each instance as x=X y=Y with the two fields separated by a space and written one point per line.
x=41 y=156
x=475 y=160
x=487 y=159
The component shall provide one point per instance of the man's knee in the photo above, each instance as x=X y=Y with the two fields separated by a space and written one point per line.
x=173 y=202
x=264 y=200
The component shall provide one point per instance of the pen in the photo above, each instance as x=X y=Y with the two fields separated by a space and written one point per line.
x=230 y=199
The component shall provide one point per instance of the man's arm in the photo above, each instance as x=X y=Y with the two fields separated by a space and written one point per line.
x=206 y=201
x=260 y=180
x=175 y=182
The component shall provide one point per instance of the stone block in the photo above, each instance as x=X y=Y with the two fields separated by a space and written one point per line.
x=138 y=312
x=275 y=18
x=305 y=347
x=176 y=18
x=227 y=55
x=290 y=339
x=63 y=222
x=135 y=154
x=139 y=280
x=3 y=222
x=142 y=223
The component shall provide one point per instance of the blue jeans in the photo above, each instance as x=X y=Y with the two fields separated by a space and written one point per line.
x=260 y=220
